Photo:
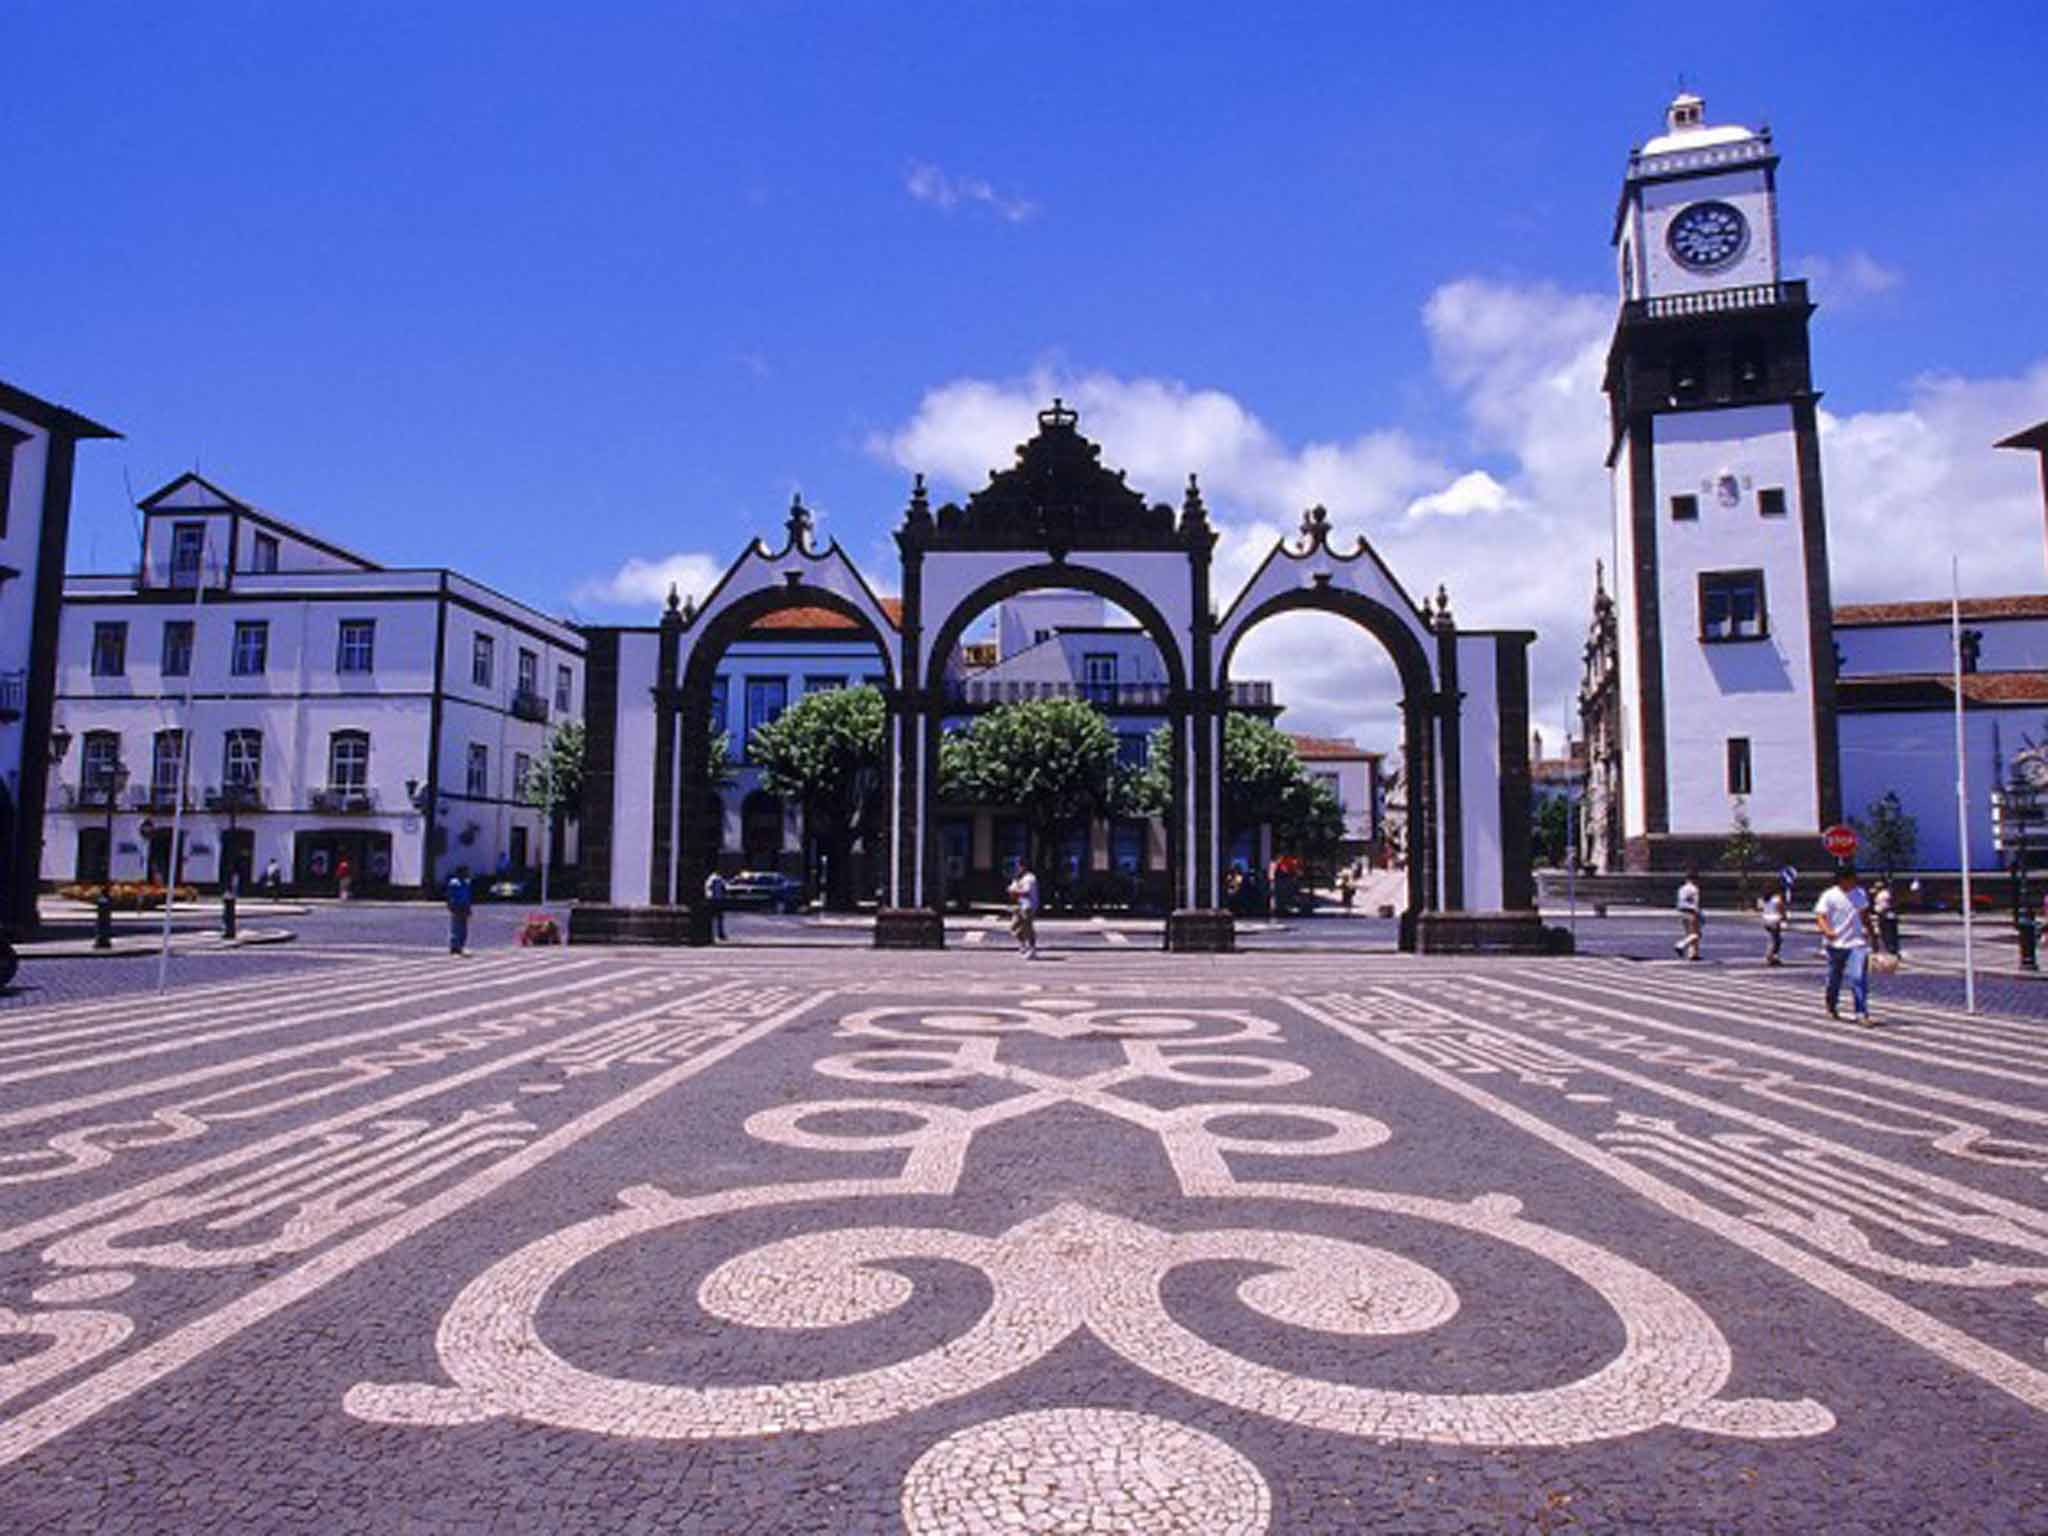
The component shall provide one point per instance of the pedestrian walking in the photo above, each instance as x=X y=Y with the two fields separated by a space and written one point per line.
x=273 y=879
x=344 y=876
x=714 y=903
x=1884 y=903
x=1024 y=913
x=1773 y=909
x=1346 y=888
x=459 y=903
x=1688 y=945
x=1843 y=914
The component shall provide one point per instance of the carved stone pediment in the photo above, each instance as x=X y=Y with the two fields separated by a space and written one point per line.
x=1058 y=496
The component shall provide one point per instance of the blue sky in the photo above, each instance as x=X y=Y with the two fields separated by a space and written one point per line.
x=536 y=291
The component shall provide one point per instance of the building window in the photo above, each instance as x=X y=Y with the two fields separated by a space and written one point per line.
x=482 y=660
x=1098 y=675
x=479 y=780
x=720 y=692
x=242 y=760
x=819 y=682
x=9 y=441
x=1770 y=501
x=188 y=549
x=767 y=698
x=252 y=648
x=357 y=648
x=1732 y=605
x=348 y=762
x=1738 y=765
x=177 y=648
x=264 y=560
x=1133 y=750
x=1688 y=375
x=1685 y=509
x=102 y=757
x=109 y=650
x=166 y=766
x=529 y=672
x=565 y=686
x=522 y=770
x=1334 y=785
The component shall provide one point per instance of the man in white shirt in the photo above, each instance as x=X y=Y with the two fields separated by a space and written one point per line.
x=714 y=903
x=1024 y=921
x=1688 y=944
x=1843 y=913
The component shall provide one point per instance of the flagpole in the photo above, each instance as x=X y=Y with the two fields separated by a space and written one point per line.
x=163 y=959
x=1962 y=785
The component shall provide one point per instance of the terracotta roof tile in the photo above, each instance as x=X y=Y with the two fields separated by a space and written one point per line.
x=1329 y=749
x=824 y=618
x=1905 y=689
x=2026 y=605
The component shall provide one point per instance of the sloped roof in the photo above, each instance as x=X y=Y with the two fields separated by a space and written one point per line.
x=1927 y=689
x=50 y=415
x=2025 y=605
x=1330 y=749
x=824 y=618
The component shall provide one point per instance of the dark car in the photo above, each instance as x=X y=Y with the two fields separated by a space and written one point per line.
x=764 y=888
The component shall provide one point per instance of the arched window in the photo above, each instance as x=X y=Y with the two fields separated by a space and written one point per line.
x=348 y=762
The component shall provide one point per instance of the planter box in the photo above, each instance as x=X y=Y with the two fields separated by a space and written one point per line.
x=1489 y=933
x=638 y=925
x=1201 y=931
x=909 y=928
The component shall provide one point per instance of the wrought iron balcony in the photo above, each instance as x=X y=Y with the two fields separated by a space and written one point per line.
x=13 y=694
x=345 y=800
x=157 y=797
x=528 y=705
x=993 y=691
x=234 y=797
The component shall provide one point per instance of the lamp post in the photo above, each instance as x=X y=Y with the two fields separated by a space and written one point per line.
x=113 y=778
x=234 y=794
x=420 y=793
x=2019 y=808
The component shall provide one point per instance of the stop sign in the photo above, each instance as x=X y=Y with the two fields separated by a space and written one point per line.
x=1840 y=841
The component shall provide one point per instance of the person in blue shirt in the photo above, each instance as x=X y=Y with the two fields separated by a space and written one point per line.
x=458 y=911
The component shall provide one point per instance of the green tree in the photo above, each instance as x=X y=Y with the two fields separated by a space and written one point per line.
x=1054 y=760
x=1743 y=850
x=554 y=786
x=1889 y=832
x=826 y=753
x=1263 y=783
x=1550 y=829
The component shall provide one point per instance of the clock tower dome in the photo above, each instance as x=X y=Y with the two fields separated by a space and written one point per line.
x=1721 y=569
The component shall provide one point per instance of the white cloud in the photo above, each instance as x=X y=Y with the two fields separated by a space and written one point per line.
x=644 y=583
x=926 y=183
x=1848 y=279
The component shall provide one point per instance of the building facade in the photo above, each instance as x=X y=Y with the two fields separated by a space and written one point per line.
x=38 y=447
x=279 y=698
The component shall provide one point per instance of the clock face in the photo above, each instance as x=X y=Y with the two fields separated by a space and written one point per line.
x=1708 y=235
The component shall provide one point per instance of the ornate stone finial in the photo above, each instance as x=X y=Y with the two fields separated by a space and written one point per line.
x=1443 y=608
x=800 y=523
x=1061 y=417
x=673 y=612
x=1599 y=577
x=1315 y=526
x=690 y=609
x=1194 y=512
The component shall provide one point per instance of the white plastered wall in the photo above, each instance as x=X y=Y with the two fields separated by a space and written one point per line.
x=1479 y=755
x=633 y=769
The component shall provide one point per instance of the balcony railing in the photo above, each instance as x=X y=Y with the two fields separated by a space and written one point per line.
x=13 y=694
x=234 y=797
x=992 y=691
x=346 y=800
x=156 y=797
x=1716 y=301
x=528 y=705
x=87 y=797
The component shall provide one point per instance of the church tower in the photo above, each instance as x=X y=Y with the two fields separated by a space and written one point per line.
x=1721 y=568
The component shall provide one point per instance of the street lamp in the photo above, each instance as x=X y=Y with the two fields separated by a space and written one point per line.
x=2016 y=809
x=113 y=778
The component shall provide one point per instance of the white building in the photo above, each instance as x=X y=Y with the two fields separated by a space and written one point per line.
x=1721 y=572
x=1352 y=774
x=336 y=710
x=38 y=445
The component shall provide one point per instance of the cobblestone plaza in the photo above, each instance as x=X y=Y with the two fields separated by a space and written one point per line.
x=759 y=1240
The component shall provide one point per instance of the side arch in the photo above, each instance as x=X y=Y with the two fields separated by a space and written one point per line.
x=687 y=828
x=1420 y=708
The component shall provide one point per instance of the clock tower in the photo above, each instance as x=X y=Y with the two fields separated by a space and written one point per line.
x=1727 y=666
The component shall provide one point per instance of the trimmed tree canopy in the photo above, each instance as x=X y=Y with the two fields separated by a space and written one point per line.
x=1053 y=759
x=825 y=753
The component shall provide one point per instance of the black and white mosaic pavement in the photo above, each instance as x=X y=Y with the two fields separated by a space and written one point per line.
x=830 y=1241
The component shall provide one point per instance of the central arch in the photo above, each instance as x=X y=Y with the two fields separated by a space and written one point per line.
x=1049 y=575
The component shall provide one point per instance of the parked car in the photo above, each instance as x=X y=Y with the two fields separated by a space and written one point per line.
x=764 y=888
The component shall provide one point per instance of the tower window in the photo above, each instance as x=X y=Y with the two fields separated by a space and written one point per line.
x=1738 y=765
x=1685 y=509
x=1749 y=369
x=1732 y=606
x=1688 y=375
x=1770 y=501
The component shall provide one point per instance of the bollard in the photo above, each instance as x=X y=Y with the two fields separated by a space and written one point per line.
x=103 y=922
x=227 y=914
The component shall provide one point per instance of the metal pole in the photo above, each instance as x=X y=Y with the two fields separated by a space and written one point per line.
x=1962 y=784
x=163 y=959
